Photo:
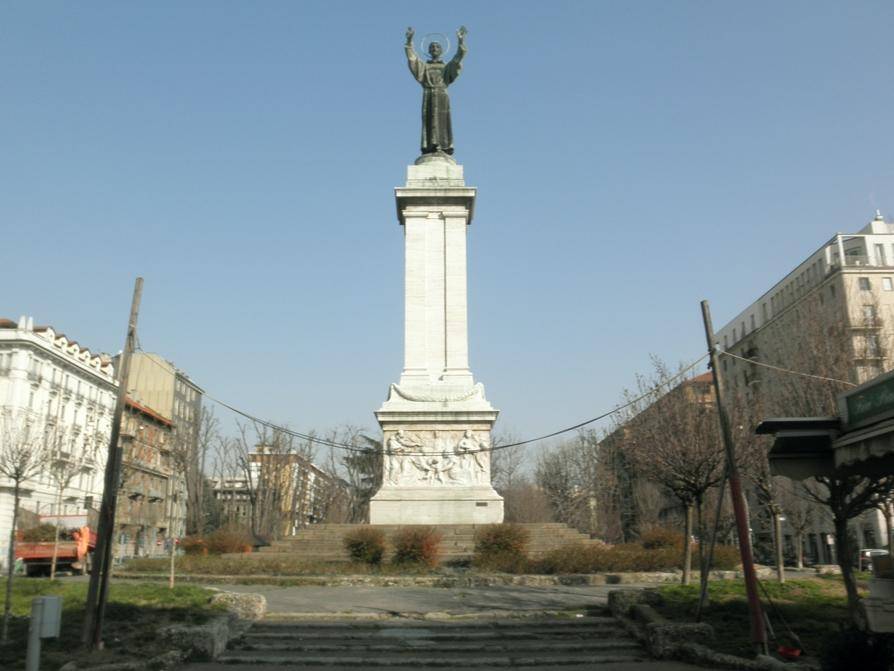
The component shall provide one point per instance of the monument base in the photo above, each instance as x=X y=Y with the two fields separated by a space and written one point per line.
x=436 y=461
x=426 y=505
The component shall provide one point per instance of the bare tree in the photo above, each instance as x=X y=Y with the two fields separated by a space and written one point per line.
x=819 y=335
x=190 y=453
x=673 y=438
x=523 y=500
x=24 y=447
x=847 y=497
x=566 y=474
x=800 y=514
x=64 y=467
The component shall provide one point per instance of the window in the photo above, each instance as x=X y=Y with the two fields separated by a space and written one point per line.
x=725 y=342
x=872 y=345
x=764 y=311
x=832 y=290
x=869 y=314
x=880 y=255
x=887 y=284
x=752 y=322
x=734 y=334
x=864 y=284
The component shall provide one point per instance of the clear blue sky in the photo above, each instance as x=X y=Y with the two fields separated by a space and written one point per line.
x=631 y=158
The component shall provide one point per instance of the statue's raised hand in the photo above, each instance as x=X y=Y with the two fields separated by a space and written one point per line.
x=461 y=34
x=410 y=33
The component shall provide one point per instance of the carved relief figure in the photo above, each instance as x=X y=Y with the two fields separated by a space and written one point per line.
x=396 y=448
x=469 y=449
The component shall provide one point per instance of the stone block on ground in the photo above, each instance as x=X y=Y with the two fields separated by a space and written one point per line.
x=251 y=607
x=203 y=642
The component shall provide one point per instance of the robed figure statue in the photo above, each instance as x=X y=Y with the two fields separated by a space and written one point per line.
x=435 y=76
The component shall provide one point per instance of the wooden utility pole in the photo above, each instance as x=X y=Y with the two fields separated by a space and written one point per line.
x=758 y=629
x=98 y=592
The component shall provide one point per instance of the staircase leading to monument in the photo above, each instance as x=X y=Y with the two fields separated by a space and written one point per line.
x=325 y=542
x=594 y=641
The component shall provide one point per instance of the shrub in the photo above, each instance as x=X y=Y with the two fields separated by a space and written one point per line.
x=193 y=545
x=504 y=562
x=224 y=541
x=660 y=537
x=726 y=557
x=366 y=544
x=497 y=538
x=581 y=558
x=417 y=545
x=501 y=547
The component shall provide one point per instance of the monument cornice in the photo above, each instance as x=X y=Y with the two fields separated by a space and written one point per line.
x=437 y=198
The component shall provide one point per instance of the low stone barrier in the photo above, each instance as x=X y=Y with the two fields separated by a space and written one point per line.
x=196 y=642
x=446 y=581
x=683 y=641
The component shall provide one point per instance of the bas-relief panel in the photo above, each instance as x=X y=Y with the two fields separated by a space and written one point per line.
x=437 y=458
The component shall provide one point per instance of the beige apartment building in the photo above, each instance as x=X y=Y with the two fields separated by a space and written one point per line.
x=151 y=501
x=833 y=316
x=155 y=383
x=280 y=494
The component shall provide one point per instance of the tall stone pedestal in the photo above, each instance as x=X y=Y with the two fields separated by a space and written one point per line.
x=436 y=423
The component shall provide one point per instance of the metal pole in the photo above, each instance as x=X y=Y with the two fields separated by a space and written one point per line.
x=32 y=657
x=758 y=630
x=97 y=594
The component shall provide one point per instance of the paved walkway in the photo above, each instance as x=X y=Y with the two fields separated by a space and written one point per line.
x=370 y=602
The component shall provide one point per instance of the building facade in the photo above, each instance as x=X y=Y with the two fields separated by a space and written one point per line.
x=152 y=497
x=70 y=393
x=280 y=494
x=156 y=383
x=833 y=315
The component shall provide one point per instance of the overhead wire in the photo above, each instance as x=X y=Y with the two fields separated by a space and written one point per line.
x=785 y=370
x=493 y=448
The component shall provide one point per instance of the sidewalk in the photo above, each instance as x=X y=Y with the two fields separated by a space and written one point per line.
x=434 y=602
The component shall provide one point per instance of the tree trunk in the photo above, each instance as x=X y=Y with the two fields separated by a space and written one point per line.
x=777 y=537
x=56 y=537
x=799 y=549
x=173 y=555
x=11 y=560
x=843 y=550
x=889 y=519
x=687 y=546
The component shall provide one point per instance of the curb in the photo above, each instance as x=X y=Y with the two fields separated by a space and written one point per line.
x=444 y=581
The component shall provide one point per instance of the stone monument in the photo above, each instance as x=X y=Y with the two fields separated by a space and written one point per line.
x=436 y=422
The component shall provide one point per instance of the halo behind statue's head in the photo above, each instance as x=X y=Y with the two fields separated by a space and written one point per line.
x=440 y=38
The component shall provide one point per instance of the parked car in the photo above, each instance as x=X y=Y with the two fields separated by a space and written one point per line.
x=866 y=555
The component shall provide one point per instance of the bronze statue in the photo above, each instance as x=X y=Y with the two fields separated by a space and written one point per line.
x=435 y=76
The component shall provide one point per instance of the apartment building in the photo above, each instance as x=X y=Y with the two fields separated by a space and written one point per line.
x=68 y=393
x=156 y=383
x=152 y=497
x=284 y=491
x=833 y=315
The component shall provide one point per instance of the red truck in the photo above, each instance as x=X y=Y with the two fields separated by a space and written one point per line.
x=73 y=554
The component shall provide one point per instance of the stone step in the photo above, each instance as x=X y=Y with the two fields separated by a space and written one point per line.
x=464 y=627
x=592 y=642
x=414 y=659
x=614 y=636
x=633 y=664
